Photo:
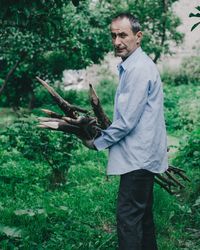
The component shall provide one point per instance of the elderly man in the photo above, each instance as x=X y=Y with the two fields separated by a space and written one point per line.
x=137 y=137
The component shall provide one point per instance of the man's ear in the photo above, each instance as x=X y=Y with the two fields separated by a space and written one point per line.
x=139 y=37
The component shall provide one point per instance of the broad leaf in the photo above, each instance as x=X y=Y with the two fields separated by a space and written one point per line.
x=194 y=26
x=198 y=8
x=194 y=15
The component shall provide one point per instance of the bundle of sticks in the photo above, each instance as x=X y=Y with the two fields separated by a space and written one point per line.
x=87 y=126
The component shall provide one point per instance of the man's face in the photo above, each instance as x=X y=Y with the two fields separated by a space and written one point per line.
x=123 y=38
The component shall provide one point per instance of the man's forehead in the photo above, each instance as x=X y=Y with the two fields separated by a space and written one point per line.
x=120 y=25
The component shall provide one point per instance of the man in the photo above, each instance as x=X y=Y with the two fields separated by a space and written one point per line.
x=137 y=137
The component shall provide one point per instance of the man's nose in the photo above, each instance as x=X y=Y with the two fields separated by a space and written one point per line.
x=117 y=41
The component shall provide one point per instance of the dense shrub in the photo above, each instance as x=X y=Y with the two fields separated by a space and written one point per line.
x=189 y=151
x=54 y=148
x=181 y=107
x=188 y=158
x=188 y=73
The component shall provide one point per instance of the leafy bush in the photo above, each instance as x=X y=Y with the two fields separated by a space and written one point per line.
x=181 y=107
x=188 y=158
x=189 y=152
x=49 y=39
x=38 y=145
x=191 y=67
x=188 y=73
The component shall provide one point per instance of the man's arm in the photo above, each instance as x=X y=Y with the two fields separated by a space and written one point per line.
x=130 y=106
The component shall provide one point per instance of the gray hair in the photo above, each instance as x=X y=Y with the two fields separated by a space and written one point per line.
x=135 y=25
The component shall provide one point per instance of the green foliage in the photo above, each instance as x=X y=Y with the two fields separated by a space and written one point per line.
x=44 y=100
x=39 y=145
x=188 y=73
x=189 y=151
x=181 y=105
x=191 y=67
x=158 y=21
x=195 y=15
x=50 y=37
x=188 y=158
x=81 y=213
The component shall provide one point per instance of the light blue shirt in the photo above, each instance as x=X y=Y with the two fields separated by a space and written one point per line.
x=137 y=137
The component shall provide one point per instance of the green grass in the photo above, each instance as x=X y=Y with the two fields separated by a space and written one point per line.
x=81 y=213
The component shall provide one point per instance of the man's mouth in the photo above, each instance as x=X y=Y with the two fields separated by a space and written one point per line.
x=119 y=49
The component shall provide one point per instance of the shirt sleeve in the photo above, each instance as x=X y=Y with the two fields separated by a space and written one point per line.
x=129 y=105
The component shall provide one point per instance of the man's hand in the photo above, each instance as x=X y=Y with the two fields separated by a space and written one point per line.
x=61 y=125
x=89 y=144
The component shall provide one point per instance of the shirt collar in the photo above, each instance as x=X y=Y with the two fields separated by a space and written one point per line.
x=131 y=59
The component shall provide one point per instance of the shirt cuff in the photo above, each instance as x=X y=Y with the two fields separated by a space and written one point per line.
x=100 y=143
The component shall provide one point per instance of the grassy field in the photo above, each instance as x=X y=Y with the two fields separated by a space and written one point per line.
x=81 y=213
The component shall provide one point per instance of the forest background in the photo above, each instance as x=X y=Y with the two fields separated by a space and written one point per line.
x=54 y=194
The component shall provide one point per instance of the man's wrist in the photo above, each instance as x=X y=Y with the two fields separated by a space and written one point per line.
x=100 y=143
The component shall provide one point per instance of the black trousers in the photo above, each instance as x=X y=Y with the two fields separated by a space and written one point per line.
x=135 y=226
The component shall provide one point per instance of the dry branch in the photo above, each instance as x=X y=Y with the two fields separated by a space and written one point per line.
x=174 y=179
x=164 y=186
x=66 y=107
x=87 y=127
x=102 y=118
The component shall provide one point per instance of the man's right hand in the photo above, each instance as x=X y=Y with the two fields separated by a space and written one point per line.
x=89 y=144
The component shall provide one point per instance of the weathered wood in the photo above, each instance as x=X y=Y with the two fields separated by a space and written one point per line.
x=183 y=176
x=174 y=179
x=175 y=169
x=166 y=180
x=65 y=106
x=162 y=185
x=61 y=125
x=52 y=113
x=102 y=118
x=178 y=171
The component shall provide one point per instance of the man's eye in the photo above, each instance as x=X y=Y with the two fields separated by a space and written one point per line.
x=123 y=35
